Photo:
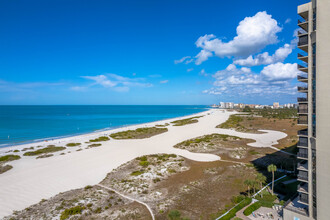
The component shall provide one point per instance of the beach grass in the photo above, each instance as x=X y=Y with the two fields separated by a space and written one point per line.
x=94 y=145
x=232 y=122
x=48 y=149
x=73 y=144
x=139 y=133
x=99 y=139
x=186 y=121
x=5 y=168
x=9 y=157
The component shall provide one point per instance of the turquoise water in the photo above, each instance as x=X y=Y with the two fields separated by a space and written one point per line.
x=23 y=124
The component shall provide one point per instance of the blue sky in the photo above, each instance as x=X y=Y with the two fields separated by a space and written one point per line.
x=147 y=52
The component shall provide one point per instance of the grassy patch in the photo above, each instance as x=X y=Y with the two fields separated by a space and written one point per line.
x=208 y=138
x=231 y=214
x=144 y=163
x=99 y=139
x=45 y=156
x=49 y=149
x=138 y=133
x=94 y=145
x=137 y=173
x=248 y=211
x=186 y=121
x=232 y=122
x=73 y=144
x=9 y=157
x=71 y=211
x=5 y=168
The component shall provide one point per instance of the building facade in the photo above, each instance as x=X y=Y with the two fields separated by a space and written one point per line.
x=313 y=193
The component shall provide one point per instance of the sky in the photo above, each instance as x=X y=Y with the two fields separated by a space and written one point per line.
x=196 y=52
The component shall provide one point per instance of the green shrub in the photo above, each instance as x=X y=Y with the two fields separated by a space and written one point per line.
x=48 y=149
x=73 y=144
x=88 y=187
x=99 y=139
x=174 y=215
x=138 y=133
x=9 y=157
x=15 y=151
x=5 y=168
x=186 y=121
x=248 y=211
x=144 y=163
x=71 y=211
x=232 y=213
x=94 y=145
x=137 y=173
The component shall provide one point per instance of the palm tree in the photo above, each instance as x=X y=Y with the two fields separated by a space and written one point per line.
x=261 y=179
x=272 y=168
x=248 y=183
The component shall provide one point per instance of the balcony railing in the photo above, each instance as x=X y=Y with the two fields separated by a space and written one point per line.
x=303 y=187
x=302 y=110
x=302 y=144
x=301 y=66
x=302 y=166
x=301 y=22
x=300 y=55
x=303 y=41
x=301 y=32
x=303 y=132
x=302 y=89
x=302 y=155
x=302 y=177
x=301 y=99
x=303 y=198
x=302 y=122
x=302 y=78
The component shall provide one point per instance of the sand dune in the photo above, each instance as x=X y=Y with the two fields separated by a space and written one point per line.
x=32 y=180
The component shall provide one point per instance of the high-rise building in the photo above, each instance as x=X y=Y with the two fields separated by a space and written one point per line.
x=276 y=105
x=313 y=198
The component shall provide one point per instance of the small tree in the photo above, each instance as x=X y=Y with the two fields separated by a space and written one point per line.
x=261 y=179
x=272 y=168
x=174 y=214
x=248 y=183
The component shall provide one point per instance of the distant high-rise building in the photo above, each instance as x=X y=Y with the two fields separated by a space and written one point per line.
x=276 y=105
x=313 y=198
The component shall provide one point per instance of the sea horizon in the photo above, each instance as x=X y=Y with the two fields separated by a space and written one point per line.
x=21 y=123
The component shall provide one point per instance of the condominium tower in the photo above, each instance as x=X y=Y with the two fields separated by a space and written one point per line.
x=313 y=194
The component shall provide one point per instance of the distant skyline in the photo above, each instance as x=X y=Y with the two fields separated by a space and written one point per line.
x=148 y=52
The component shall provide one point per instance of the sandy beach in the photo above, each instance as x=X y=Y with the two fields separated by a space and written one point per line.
x=32 y=180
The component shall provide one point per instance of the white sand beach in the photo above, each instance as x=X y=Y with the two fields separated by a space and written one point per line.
x=34 y=179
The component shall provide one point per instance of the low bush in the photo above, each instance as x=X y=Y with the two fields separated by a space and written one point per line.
x=94 y=145
x=99 y=139
x=9 y=157
x=248 y=211
x=139 y=133
x=71 y=211
x=137 y=173
x=49 y=149
x=45 y=156
x=144 y=163
x=5 y=168
x=73 y=144
x=231 y=214
x=186 y=121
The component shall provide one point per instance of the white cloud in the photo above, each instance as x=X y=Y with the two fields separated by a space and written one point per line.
x=280 y=71
x=202 y=56
x=164 y=81
x=253 y=34
x=288 y=20
x=181 y=60
x=190 y=69
x=117 y=82
x=264 y=58
x=203 y=73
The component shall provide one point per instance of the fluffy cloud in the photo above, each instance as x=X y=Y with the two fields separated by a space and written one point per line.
x=116 y=82
x=264 y=58
x=280 y=71
x=202 y=56
x=273 y=79
x=253 y=34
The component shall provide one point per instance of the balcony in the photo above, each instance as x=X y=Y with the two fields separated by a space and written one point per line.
x=303 y=25
x=302 y=99
x=303 y=68
x=302 y=144
x=303 y=188
x=303 y=166
x=293 y=205
x=302 y=122
x=303 y=132
x=302 y=154
x=302 y=89
x=302 y=176
x=302 y=78
x=303 y=199
x=302 y=110
x=303 y=57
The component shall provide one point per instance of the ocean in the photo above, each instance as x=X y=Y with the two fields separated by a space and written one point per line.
x=24 y=124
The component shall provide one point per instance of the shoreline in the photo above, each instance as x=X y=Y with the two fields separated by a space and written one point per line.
x=31 y=180
x=49 y=141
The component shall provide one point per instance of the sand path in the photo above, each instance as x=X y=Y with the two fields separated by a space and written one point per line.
x=32 y=180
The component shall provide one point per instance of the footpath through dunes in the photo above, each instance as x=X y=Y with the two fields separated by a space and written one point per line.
x=32 y=180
